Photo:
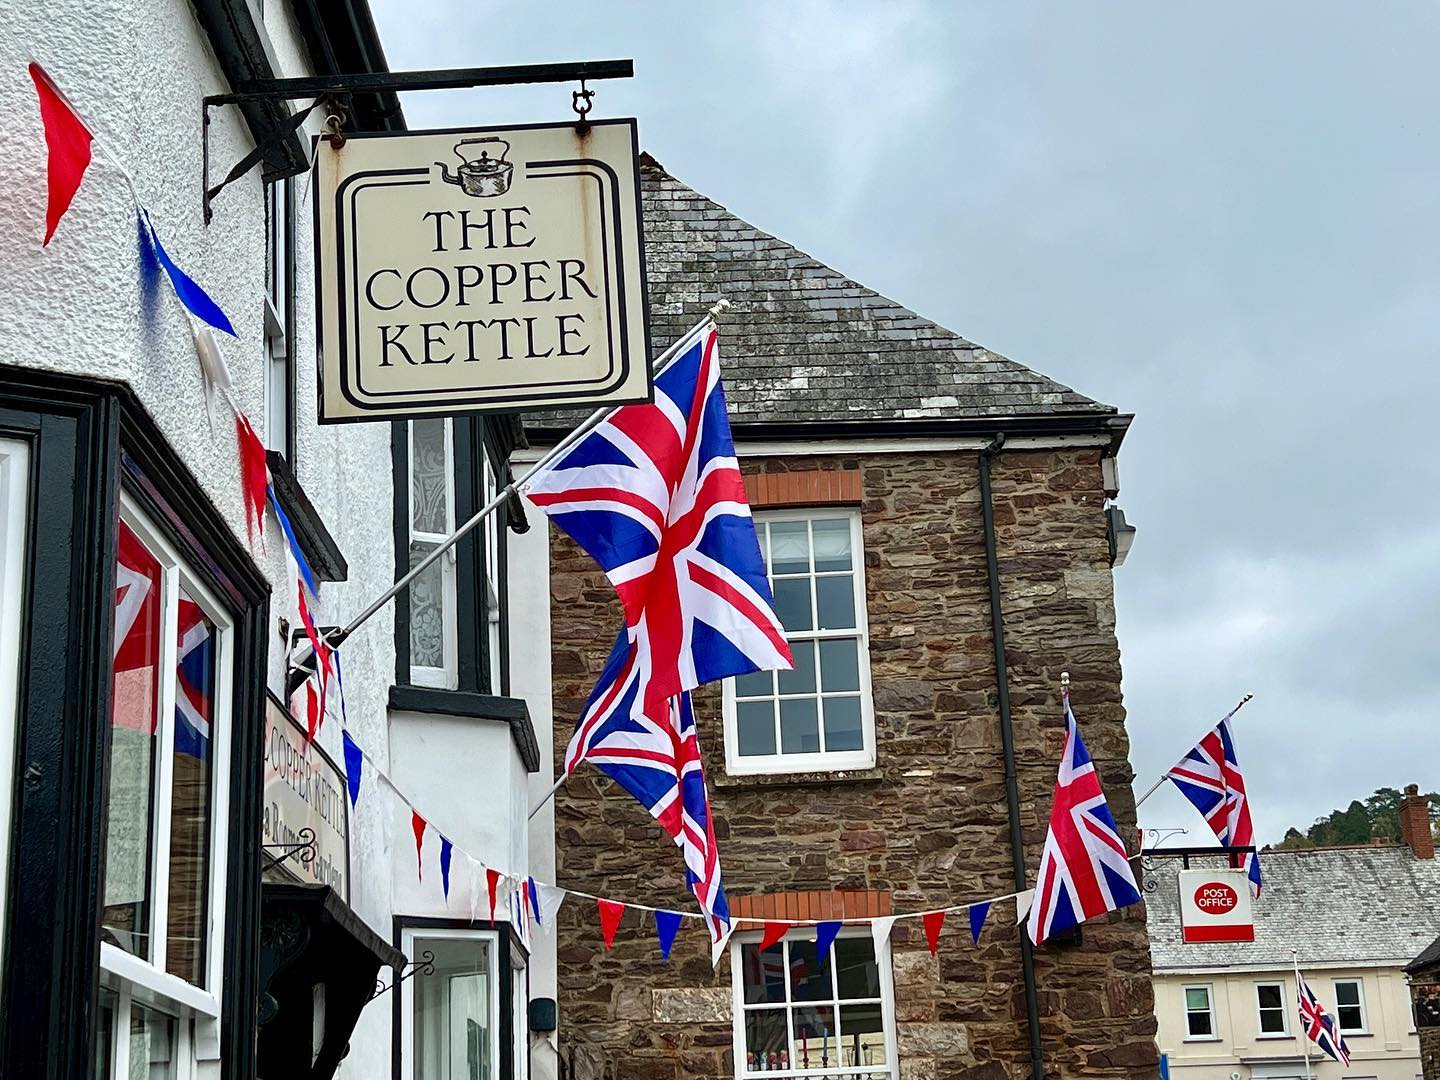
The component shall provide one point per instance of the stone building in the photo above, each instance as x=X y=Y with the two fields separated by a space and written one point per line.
x=873 y=778
x=1351 y=916
x=1423 y=974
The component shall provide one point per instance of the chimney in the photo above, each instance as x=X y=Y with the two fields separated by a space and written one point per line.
x=1415 y=823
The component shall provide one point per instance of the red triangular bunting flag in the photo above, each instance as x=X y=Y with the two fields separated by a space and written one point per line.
x=68 y=140
x=492 y=883
x=312 y=713
x=933 y=922
x=774 y=931
x=254 y=476
x=610 y=913
x=417 y=823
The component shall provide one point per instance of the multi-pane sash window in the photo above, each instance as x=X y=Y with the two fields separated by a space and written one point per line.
x=1270 y=1004
x=450 y=1014
x=164 y=863
x=1350 y=1006
x=798 y=1013
x=432 y=519
x=1199 y=1013
x=818 y=716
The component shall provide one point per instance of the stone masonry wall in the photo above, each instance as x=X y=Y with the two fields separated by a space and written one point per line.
x=928 y=824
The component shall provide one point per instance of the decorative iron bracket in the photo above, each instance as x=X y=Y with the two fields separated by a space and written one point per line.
x=424 y=966
x=1151 y=856
x=338 y=89
x=305 y=850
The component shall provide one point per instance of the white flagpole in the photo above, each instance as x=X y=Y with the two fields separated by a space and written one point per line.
x=1304 y=1034
x=336 y=638
x=1166 y=774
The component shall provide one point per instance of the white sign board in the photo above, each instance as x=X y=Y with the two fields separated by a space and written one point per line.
x=1215 y=906
x=495 y=269
x=304 y=789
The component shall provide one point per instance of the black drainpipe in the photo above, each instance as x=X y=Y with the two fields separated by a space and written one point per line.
x=1007 y=743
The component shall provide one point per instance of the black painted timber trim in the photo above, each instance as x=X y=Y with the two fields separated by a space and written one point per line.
x=315 y=539
x=459 y=703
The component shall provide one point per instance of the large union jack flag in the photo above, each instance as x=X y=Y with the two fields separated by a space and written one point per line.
x=654 y=495
x=653 y=753
x=1084 y=869
x=1209 y=776
x=1320 y=1027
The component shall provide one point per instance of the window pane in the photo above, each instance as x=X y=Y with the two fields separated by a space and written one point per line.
x=190 y=799
x=842 y=724
x=835 y=600
x=840 y=665
x=1269 y=997
x=104 y=1036
x=427 y=610
x=429 y=491
x=1351 y=1018
x=856 y=975
x=862 y=1035
x=789 y=547
x=1272 y=1021
x=832 y=544
x=453 y=1022
x=1197 y=998
x=802 y=679
x=815 y=1041
x=809 y=979
x=152 y=1044
x=764 y=974
x=129 y=816
x=1347 y=993
x=755 y=724
x=756 y=684
x=766 y=1040
x=799 y=726
x=792 y=604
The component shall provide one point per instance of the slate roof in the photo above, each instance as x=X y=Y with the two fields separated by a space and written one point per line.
x=803 y=343
x=1428 y=959
x=1336 y=905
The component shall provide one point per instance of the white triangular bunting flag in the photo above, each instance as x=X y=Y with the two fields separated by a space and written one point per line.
x=551 y=897
x=1022 y=905
x=718 y=946
x=880 y=929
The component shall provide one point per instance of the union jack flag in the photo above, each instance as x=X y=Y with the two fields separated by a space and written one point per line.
x=1320 y=1027
x=654 y=495
x=651 y=750
x=1209 y=776
x=136 y=652
x=1084 y=869
x=194 y=681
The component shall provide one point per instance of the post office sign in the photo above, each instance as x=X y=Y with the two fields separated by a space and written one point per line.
x=495 y=269
x=1215 y=906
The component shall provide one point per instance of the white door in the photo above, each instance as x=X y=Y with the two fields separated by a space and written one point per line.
x=14 y=518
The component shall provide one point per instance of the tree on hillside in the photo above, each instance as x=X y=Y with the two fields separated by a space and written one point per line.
x=1378 y=817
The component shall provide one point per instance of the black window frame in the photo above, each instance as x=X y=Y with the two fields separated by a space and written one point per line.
x=87 y=439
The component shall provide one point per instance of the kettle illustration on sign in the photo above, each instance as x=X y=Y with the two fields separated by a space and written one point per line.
x=482 y=177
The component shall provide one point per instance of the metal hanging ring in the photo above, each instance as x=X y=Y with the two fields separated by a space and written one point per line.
x=334 y=123
x=582 y=101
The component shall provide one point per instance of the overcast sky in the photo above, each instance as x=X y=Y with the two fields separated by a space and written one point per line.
x=1222 y=217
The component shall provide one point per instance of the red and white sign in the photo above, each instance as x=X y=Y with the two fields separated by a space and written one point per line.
x=1215 y=906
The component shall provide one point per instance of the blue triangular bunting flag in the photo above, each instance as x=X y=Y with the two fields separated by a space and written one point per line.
x=825 y=937
x=534 y=894
x=666 y=925
x=978 y=912
x=196 y=300
x=354 y=762
x=301 y=563
x=445 y=849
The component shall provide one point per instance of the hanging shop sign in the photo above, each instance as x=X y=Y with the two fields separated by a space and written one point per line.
x=1215 y=906
x=304 y=790
x=495 y=269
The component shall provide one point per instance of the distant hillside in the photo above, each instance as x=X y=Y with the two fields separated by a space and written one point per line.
x=1377 y=818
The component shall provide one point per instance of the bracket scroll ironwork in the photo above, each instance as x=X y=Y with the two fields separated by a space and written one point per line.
x=424 y=966
x=305 y=850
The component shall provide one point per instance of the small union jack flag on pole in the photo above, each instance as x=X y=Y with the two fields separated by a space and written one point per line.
x=1320 y=1027
x=1084 y=868
x=1209 y=776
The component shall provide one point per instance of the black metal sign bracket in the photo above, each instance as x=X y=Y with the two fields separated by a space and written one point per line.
x=336 y=90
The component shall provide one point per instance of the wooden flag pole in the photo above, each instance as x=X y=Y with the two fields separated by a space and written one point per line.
x=303 y=669
x=1166 y=774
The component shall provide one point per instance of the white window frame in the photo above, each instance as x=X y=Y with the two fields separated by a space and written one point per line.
x=1364 y=1028
x=1260 y=1032
x=489 y=489
x=824 y=761
x=411 y=939
x=891 y=1067
x=446 y=677
x=146 y=981
x=279 y=214
x=14 y=527
x=1210 y=1010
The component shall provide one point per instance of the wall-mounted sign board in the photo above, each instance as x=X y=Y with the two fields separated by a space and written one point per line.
x=1215 y=906
x=304 y=789
x=496 y=269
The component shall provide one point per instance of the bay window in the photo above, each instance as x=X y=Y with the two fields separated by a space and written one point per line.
x=818 y=716
x=800 y=1013
x=451 y=1011
x=432 y=519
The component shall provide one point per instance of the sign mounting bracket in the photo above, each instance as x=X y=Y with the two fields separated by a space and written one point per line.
x=342 y=87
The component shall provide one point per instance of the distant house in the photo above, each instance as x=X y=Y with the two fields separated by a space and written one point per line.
x=1356 y=915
